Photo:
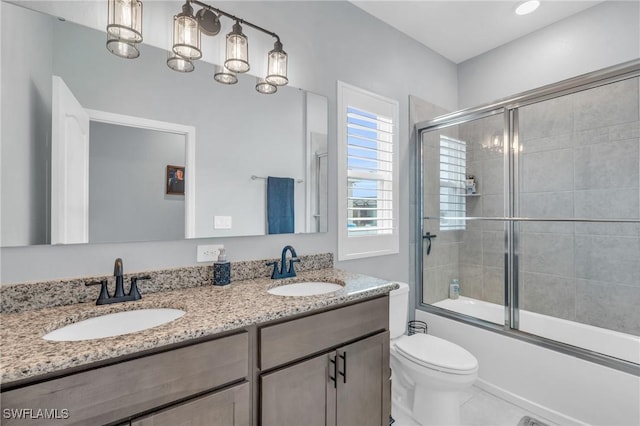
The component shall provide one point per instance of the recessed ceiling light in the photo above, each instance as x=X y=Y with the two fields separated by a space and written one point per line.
x=527 y=7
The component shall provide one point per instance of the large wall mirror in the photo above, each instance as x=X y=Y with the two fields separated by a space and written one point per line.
x=135 y=125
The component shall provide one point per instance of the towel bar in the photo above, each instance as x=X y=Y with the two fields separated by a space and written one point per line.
x=254 y=177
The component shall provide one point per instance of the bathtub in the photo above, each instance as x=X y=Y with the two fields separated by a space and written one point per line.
x=608 y=342
x=558 y=387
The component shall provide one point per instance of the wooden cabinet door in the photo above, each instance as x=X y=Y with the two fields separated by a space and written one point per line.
x=230 y=407
x=364 y=393
x=108 y=394
x=302 y=394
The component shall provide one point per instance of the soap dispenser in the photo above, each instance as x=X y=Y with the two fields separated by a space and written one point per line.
x=454 y=289
x=222 y=269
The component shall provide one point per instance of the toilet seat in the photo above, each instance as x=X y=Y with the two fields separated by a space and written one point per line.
x=437 y=354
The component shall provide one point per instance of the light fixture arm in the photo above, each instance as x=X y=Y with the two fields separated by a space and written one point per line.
x=124 y=33
x=235 y=18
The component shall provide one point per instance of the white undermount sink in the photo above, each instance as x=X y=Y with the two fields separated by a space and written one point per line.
x=310 y=288
x=114 y=324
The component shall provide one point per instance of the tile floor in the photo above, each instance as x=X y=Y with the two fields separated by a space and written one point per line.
x=480 y=408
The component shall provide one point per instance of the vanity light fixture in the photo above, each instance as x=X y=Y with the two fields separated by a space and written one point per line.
x=122 y=48
x=237 y=50
x=186 y=34
x=264 y=87
x=124 y=27
x=224 y=76
x=527 y=7
x=179 y=63
x=124 y=30
x=277 y=66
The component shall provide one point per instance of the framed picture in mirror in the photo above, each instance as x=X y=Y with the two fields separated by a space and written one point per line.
x=175 y=180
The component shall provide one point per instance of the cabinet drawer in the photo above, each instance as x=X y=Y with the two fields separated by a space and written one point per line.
x=229 y=407
x=295 y=339
x=117 y=391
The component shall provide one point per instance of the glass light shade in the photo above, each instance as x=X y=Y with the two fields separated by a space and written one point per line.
x=125 y=20
x=186 y=34
x=224 y=76
x=122 y=48
x=265 y=87
x=237 y=54
x=178 y=63
x=277 y=66
x=527 y=7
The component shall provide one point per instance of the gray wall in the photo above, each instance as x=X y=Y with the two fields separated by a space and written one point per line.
x=127 y=174
x=604 y=35
x=26 y=117
x=326 y=42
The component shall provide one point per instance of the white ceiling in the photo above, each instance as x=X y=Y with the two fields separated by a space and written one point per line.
x=460 y=30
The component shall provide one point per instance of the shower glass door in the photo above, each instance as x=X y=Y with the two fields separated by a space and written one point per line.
x=579 y=180
x=533 y=206
x=463 y=207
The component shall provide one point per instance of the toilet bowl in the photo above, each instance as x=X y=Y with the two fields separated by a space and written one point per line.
x=428 y=373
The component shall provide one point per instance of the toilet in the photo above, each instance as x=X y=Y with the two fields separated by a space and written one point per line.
x=428 y=373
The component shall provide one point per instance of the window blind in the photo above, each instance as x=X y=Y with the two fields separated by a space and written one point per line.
x=453 y=168
x=369 y=173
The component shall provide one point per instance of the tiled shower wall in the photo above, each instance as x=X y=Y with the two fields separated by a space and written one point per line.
x=482 y=248
x=579 y=158
x=475 y=255
x=442 y=264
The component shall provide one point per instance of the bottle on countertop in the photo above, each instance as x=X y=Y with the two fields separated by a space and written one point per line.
x=222 y=269
x=454 y=289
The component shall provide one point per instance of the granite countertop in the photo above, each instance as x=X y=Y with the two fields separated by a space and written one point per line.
x=209 y=310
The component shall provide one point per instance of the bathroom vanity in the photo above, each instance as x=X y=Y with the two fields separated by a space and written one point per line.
x=352 y=379
x=114 y=392
x=267 y=359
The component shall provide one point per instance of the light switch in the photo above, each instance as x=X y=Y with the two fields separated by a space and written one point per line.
x=222 y=222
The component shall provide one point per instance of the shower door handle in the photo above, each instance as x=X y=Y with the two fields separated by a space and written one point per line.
x=429 y=236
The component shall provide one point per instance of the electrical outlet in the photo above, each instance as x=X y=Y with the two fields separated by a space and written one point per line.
x=209 y=253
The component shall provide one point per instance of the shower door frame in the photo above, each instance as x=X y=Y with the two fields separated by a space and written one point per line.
x=509 y=107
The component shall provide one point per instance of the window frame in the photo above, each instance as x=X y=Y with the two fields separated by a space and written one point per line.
x=356 y=247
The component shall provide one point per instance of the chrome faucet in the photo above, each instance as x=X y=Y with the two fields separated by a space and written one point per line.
x=290 y=271
x=105 y=298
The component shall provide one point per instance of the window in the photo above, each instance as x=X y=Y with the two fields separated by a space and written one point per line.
x=368 y=174
x=453 y=167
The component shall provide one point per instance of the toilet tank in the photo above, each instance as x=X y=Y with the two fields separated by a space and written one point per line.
x=398 y=310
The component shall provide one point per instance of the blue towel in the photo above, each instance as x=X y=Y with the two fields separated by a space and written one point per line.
x=280 y=206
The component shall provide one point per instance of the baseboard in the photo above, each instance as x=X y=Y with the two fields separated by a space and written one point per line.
x=543 y=412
